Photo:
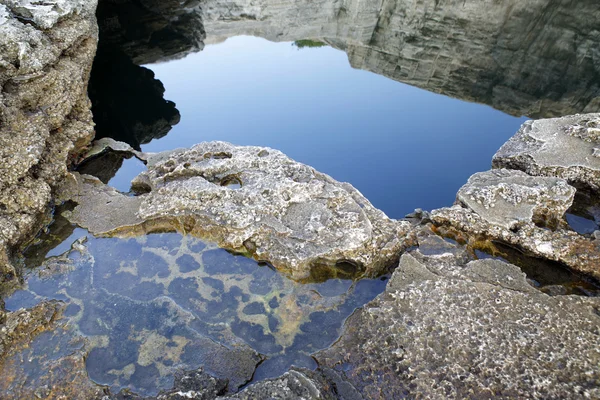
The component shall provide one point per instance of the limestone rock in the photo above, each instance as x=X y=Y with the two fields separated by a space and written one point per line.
x=524 y=211
x=46 y=51
x=296 y=384
x=511 y=199
x=55 y=355
x=478 y=332
x=567 y=247
x=567 y=147
x=253 y=200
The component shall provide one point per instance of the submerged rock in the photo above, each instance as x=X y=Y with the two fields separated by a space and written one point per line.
x=54 y=354
x=446 y=328
x=253 y=200
x=46 y=52
x=567 y=147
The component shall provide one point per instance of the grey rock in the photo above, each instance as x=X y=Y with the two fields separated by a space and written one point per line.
x=511 y=199
x=296 y=384
x=46 y=51
x=484 y=332
x=520 y=210
x=564 y=246
x=248 y=199
x=562 y=147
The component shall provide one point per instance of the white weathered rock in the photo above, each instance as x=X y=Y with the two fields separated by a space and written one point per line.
x=468 y=330
x=250 y=199
x=510 y=198
x=566 y=147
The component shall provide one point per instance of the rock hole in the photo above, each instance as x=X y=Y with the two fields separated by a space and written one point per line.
x=231 y=182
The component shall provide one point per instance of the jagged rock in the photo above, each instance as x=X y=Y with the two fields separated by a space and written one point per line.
x=524 y=211
x=249 y=199
x=296 y=384
x=567 y=247
x=475 y=330
x=511 y=199
x=46 y=51
x=567 y=147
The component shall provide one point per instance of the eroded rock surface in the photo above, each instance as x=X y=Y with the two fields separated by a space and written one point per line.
x=46 y=51
x=524 y=211
x=55 y=366
x=447 y=327
x=567 y=147
x=512 y=199
x=249 y=199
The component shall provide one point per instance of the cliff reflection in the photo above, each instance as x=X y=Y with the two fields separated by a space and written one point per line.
x=539 y=58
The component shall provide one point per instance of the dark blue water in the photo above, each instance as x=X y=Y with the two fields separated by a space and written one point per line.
x=401 y=146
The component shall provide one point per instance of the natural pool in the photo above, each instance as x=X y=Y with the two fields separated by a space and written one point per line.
x=152 y=305
x=401 y=146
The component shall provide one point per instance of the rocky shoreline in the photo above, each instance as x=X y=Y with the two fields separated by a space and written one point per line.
x=448 y=325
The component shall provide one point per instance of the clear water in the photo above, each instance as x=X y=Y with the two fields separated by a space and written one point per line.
x=401 y=146
x=151 y=305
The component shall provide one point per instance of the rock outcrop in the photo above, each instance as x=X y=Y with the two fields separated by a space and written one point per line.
x=253 y=200
x=448 y=328
x=527 y=212
x=511 y=199
x=535 y=58
x=568 y=148
x=46 y=51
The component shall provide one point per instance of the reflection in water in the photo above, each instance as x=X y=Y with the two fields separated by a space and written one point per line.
x=127 y=102
x=538 y=58
x=149 y=31
x=154 y=305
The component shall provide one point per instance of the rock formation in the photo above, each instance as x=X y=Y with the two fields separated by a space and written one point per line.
x=253 y=200
x=524 y=211
x=567 y=147
x=46 y=51
x=448 y=328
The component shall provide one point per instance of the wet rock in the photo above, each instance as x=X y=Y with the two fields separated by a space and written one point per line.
x=46 y=51
x=55 y=365
x=468 y=330
x=511 y=199
x=296 y=384
x=567 y=147
x=564 y=246
x=22 y=325
x=278 y=210
x=523 y=211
